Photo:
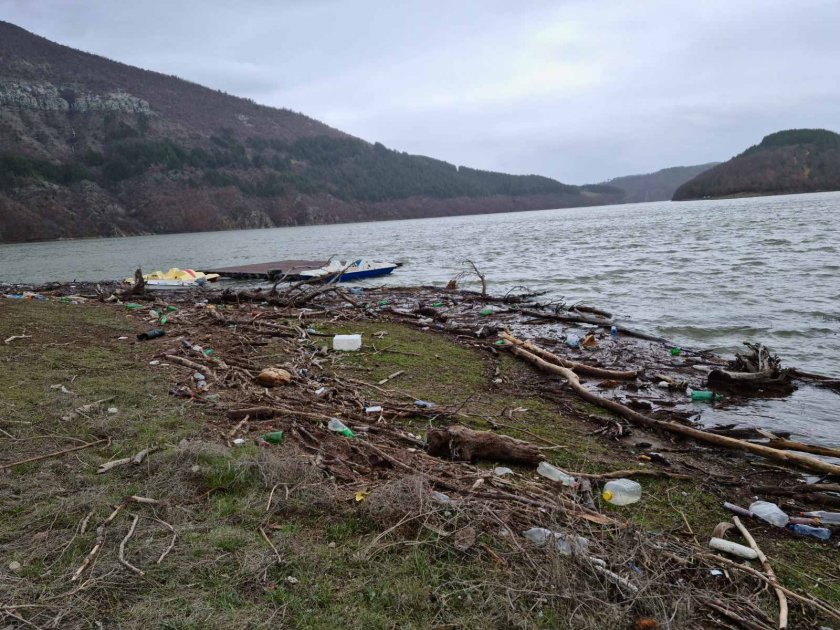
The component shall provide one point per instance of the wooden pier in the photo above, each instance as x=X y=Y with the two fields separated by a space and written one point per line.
x=267 y=270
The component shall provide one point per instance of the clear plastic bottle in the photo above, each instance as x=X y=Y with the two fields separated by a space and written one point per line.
x=769 y=513
x=555 y=474
x=339 y=427
x=814 y=532
x=621 y=492
x=567 y=545
x=826 y=518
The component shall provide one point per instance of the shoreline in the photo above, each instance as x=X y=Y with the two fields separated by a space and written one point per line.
x=412 y=350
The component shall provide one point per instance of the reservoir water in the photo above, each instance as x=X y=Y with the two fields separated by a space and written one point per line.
x=706 y=274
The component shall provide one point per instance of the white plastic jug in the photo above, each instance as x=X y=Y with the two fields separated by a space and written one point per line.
x=621 y=492
x=347 y=343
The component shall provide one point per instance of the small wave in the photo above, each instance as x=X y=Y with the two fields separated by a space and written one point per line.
x=775 y=241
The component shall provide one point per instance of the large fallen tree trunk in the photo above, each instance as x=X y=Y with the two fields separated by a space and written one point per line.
x=579 y=368
x=802 y=461
x=458 y=442
x=789 y=445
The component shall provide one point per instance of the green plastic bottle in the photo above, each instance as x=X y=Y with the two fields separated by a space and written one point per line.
x=705 y=395
x=339 y=427
x=275 y=437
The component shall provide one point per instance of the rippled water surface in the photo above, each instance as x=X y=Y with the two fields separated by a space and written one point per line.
x=707 y=274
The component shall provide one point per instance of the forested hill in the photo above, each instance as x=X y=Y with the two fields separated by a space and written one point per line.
x=92 y=147
x=792 y=161
x=658 y=186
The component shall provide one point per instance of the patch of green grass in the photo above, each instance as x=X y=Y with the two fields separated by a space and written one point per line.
x=434 y=368
x=228 y=538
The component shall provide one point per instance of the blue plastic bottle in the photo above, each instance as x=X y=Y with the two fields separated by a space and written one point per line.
x=814 y=532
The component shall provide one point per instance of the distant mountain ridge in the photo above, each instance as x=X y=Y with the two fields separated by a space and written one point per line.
x=658 y=186
x=94 y=147
x=790 y=161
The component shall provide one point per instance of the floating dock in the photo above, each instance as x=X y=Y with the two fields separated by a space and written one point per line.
x=267 y=270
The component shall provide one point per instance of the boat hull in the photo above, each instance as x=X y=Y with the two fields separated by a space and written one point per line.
x=350 y=276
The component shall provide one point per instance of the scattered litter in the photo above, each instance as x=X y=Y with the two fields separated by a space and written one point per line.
x=238 y=441
x=822 y=533
x=275 y=437
x=555 y=474
x=424 y=404
x=439 y=497
x=715 y=572
x=155 y=362
x=272 y=377
x=727 y=546
x=828 y=518
x=567 y=545
x=501 y=471
x=292 y=580
x=675 y=352
x=347 y=343
x=320 y=391
x=373 y=409
x=486 y=311
x=360 y=495
x=738 y=510
x=572 y=340
x=339 y=427
x=113 y=410
x=699 y=394
x=621 y=492
x=121 y=338
x=14 y=566
x=154 y=333
x=769 y=512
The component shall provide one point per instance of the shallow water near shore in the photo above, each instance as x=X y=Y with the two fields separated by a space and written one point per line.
x=706 y=274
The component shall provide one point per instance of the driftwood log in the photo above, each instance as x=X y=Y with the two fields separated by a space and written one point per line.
x=461 y=443
x=757 y=369
x=745 y=433
x=580 y=318
x=789 y=445
x=579 y=368
x=794 y=459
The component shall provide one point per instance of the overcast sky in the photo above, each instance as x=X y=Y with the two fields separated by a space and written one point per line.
x=579 y=90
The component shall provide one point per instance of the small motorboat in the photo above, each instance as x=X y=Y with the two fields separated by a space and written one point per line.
x=176 y=278
x=348 y=271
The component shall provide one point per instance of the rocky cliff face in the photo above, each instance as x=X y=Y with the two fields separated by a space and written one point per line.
x=67 y=98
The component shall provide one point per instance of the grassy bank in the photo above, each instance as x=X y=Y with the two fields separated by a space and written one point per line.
x=264 y=538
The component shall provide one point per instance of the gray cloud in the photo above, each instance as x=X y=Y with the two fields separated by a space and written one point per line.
x=577 y=90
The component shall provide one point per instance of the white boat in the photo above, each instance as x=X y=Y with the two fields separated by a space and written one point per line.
x=349 y=270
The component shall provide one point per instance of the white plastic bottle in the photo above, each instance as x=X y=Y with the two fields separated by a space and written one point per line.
x=770 y=513
x=555 y=474
x=621 y=492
